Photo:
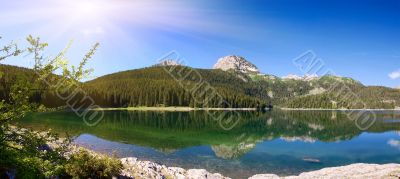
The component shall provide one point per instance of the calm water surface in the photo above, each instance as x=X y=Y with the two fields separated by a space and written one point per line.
x=280 y=142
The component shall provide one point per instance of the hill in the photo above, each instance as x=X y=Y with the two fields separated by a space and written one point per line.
x=10 y=75
x=311 y=91
x=154 y=86
x=327 y=92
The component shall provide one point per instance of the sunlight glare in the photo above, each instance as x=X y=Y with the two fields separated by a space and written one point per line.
x=87 y=10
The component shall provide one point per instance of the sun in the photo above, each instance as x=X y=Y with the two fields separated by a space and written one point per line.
x=88 y=17
x=87 y=10
x=74 y=18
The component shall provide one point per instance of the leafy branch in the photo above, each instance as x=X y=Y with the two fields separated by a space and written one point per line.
x=28 y=151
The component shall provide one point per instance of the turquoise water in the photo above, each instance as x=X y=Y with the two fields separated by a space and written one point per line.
x=280 y=142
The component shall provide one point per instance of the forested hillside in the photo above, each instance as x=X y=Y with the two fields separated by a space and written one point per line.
x=149 y=87
x=332 y=101
x=328 y=92
x=153 y=86
x=11 y=75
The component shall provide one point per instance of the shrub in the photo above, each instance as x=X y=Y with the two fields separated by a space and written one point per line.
x=83 y=164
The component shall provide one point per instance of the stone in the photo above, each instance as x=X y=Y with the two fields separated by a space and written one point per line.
x=236 y=63
x=357 y=171
x=167 y=63
x=265 y=176
x=146 y=169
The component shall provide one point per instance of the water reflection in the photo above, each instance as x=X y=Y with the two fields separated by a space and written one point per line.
x=168 y=131
x=283 y=142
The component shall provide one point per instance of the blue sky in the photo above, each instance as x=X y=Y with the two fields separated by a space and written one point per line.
x=358 y=39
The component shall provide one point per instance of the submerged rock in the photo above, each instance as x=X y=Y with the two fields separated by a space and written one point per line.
x=311 y=160
x=265 y=176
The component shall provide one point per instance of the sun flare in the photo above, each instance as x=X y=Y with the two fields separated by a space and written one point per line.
x=88 y=10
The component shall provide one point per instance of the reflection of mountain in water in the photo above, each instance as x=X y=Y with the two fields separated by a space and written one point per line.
x=241 y=146
x=299 y=138
x=231 y=152
x=170 y=131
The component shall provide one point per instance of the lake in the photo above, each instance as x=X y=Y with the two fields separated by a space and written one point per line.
x=279 y=142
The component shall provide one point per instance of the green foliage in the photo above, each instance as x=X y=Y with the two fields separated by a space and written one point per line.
x=35 y=48
x=21 y=90
x=9 y=50
x=86 y=165
x=335 y=92
x=28 y=153
x=358 y=98
x=169 y=131
x=155 y=87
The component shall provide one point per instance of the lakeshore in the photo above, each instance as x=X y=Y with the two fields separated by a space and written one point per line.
x=183 y=109
x=133 y=168
x=321 y=109
x=194 y=140
x=175 y=109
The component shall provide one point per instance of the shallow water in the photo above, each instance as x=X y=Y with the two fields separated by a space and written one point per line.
x=280 y=142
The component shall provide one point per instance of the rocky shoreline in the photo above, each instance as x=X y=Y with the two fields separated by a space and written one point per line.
x=134 y=168
x=355 y=171
x=137 y=169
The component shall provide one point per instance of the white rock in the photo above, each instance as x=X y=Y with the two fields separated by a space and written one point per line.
x=129 y=160
x=265 y=176
x=236 y=63
x=168 y=63
x=197 y=174
x=178 y=173
x=306 y=77
x=176 y=170
x=357 y=171
x=146 y=169
x=316 y=91
x=203 y=174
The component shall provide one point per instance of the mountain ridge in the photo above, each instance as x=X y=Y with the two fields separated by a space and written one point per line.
x=236 y=63
x=240 y=86
x=242 y=65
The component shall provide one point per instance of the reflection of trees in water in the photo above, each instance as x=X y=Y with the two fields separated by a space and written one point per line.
x=168 y=131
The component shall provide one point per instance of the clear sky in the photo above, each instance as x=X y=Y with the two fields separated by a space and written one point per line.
x=358 y=39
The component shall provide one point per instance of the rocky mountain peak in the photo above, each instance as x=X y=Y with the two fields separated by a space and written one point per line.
x=167 y=63
x=306 y=77
x=236 y=63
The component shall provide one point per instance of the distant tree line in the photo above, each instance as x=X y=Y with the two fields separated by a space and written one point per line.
x=153 y=86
